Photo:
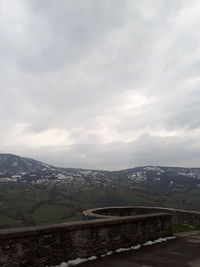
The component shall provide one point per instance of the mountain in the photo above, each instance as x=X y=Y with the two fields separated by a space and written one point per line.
x=19 y=169
x=160 y=178
x=33 y=192
x=12 y=164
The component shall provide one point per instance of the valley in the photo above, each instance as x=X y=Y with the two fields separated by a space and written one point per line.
x=34 y=193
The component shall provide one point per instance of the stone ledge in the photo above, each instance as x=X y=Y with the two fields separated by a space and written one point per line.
x=178 y=216
x=72 y=226
x=50 y=245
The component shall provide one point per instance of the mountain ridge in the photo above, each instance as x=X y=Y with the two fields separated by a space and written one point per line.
x=15 y=163
x=33 y=192
x=14 y=168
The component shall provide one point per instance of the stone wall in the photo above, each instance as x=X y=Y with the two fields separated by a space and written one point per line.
x=51 y=245
x=178 y=216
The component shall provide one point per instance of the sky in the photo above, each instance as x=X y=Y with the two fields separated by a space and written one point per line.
x=101 y=84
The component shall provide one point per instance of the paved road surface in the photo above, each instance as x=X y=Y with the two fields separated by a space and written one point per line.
x=184 y=251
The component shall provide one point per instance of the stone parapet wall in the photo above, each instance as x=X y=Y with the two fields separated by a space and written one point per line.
x=51 y=245
x=178 y=216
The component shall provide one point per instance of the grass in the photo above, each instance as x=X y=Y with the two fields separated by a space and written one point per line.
x=25 y=204
x=52 y=213
x=178 y=228
x=5 y=220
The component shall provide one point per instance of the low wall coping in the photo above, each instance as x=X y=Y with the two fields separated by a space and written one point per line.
x=92 y=212
x=71 y=226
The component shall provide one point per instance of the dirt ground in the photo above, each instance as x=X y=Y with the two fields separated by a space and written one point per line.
x=184 y=251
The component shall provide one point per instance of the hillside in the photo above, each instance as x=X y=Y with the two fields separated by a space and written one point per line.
x=18 y=169
x=32 y=192
x=12 y=164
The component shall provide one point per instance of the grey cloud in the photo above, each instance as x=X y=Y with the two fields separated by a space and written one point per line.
x=147 y=150
x=63 y=32
x=68 y=66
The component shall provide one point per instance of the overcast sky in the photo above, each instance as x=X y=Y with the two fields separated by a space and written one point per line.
x=105 y=84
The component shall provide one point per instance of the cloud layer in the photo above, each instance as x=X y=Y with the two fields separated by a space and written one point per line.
x=101 y=84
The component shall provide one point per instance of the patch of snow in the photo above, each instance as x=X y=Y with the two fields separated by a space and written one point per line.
x=109 y=253
x=46 y=165
x=150 y=168
x=119 y=250
x=92 y=258
x=137 y=246
x=76 y=261
x=16 y=176
x=138 y=176
x=61 y=176
x=149 y=243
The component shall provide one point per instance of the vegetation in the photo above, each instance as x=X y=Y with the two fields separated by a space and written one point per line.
x=22 y=204
x=178 y=228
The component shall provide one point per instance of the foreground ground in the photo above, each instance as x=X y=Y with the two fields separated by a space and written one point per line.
x=184 y=251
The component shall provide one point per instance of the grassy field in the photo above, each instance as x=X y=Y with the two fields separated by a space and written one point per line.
x=23 y=204
x=178 y=228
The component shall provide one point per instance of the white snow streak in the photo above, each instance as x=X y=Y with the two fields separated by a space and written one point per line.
x=119 y=250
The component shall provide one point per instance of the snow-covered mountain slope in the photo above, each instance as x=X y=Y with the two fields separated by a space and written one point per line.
x=18 y=169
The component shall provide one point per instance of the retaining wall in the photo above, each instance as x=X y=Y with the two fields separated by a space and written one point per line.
x=51 y=245
x=178 y=216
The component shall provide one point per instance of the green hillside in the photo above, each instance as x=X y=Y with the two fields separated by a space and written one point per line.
x=24 y=205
